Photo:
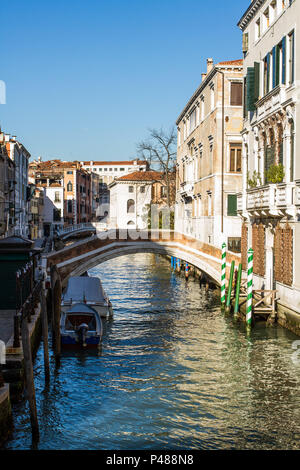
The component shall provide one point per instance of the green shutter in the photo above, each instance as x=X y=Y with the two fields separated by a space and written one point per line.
x=284 y=60
x=245 y=110
x=293 y=57
x=256 y=80
x=274 y=67
x=268 y=72
x=277 y=66
x=232 y=205
x=250 y=89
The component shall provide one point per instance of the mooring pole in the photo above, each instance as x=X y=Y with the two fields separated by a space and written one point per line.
x=178 y=264
x=228 y=301
x=223 y=276
x=44 y=318
x=237 y=291
x=56 y=316
x=186 y=271
x=249 y=289
x=29 y=378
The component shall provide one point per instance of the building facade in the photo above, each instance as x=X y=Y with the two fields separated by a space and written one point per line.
x=270 y=200
x=36 y=213
x=108 y=172
x=131 y=197
x=20 y=156
x=7 y=193
x=72 y=184
x=209 y=157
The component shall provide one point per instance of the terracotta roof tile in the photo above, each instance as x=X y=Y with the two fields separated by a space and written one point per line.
x=124 y=162
x=142 y=176
x=232 y=62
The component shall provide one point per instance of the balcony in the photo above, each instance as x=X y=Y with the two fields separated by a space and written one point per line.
x=271 y=102
x=273 y=200
x=186 y=189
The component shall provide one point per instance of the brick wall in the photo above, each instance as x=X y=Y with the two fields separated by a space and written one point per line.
x=258 y=245
x=283 y=254
x=244 y=246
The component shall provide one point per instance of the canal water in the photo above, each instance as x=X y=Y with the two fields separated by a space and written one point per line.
x=174 y=373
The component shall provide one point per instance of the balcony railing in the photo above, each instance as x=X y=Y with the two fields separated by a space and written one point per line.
x=271 y=101
x=187 y=189
x=273 y=199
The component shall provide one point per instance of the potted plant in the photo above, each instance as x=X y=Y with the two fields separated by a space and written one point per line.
x=255 y=180
x=275 y=174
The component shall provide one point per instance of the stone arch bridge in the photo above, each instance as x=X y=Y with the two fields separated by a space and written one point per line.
x=75 y=259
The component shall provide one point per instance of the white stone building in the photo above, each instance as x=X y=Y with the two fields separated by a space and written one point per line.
x=270 y=200
x=130 y=199
x=107 y=172
x=53 y=210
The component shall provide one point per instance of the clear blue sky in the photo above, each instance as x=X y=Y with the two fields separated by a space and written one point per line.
x=86 y=79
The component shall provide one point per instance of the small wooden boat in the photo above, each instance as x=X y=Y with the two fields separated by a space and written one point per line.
x=80 y=327
x=87 y=290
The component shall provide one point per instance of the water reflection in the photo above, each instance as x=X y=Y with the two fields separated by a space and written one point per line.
x=174 y=373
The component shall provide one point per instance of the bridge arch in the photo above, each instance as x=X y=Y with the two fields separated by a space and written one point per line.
x=82 y=263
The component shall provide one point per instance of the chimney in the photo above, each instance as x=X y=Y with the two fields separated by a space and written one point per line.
x=203 y=75
x=210 y=64
x=14 y=137
x=7 y=137
x=39 y=159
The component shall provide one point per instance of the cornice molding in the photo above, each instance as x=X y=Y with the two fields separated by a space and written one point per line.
x=249 y=13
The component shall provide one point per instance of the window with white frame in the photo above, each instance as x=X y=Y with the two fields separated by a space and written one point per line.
x=273 y=9
x=202 y=109
x=192 y=120
x=291 y=48
x=257 y=29
x=212 y=97
x=266 y=19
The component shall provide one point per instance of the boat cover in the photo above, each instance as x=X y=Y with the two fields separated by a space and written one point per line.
x=81 y=308
x=80 y=289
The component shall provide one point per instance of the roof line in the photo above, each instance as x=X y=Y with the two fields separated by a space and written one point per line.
x=201 y=87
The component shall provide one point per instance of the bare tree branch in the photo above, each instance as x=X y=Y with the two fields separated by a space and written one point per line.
x=160 y=153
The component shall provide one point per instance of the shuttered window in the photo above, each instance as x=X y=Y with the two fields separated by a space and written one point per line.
x=235 y=164
x=256 y=80
x=236 y=94
x=245 y=42
x=291 y=58
x=250 y=89
x=283 y=73
x=232 y=205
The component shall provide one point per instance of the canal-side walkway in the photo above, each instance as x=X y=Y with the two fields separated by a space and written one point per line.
x=6 y=324
x=13 y=369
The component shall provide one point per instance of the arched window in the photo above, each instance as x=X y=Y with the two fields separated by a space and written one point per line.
x=130 y=206
x=130 y=222
x=69 y=186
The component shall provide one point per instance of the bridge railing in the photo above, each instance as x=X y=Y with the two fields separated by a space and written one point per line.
x=82 y=227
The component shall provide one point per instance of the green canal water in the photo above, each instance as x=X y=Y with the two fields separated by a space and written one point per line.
x=174 y=373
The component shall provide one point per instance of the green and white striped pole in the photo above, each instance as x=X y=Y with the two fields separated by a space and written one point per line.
x=249 y=288
x=223 y=276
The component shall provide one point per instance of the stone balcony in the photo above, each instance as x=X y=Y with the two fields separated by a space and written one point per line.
x=186 y=189
x=271 y=102
x=272 y=200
